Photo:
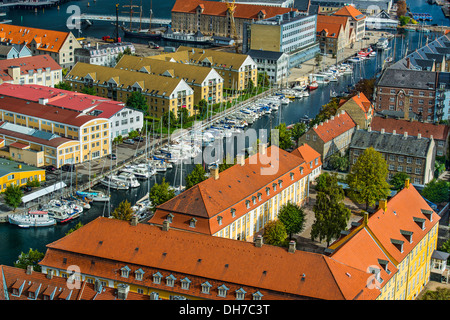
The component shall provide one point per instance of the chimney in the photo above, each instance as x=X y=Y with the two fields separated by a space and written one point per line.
x=407 y=183
x=29 y=269
x=49 y=274
x=405 y=134
x=366 y=218
x=315 y=126
x=262 y=148
x=214 y=172
x=382 y=130
x=292 y=246
x=394 y=132
x=369 y=129
x=431 y=137
x=419 y=136
x=358 y=95
x=332 y=118
x=408 y=63
x=241 y=159
x=166 y=225
x=358 y=127
x=122 y=291
x=259 y=241
x=343 y=111
x=134 y=220
x=97 y=286
x=382 y=204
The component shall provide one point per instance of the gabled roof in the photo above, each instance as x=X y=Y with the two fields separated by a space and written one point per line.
x=331 y=24
x=307 y=153
x=413 y=128
x=334 y=127
x=27 y=64
x=114 y=243
x=350 y=11
x=361 y=100
x=48 y=40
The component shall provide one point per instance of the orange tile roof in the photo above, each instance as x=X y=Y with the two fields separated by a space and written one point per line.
x=113 y=244
x=206 y=200
x=386 y=227
x=350 y=11
x=216 y=8
x=341 y=123
x=331 y=25
x=48 y=40
x=307 y=153
x=362 y=101
x=438 y=131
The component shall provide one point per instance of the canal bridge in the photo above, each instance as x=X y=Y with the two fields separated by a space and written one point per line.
x=112 y=18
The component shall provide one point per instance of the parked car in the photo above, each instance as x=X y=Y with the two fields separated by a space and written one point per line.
x=128 y=141
x=68 y=167
x=50 y=168
x=138 y=138
x=26 y=188
x=112 y=156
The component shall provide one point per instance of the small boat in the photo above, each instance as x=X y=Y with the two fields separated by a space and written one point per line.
x=356 y=59
x=111 y=181
x=313 y=85
x=96 y=196
x=129 y=179
x=382 y=43
x=139 y=171
x=60 y=214
x=32 y=219
x=142 y=209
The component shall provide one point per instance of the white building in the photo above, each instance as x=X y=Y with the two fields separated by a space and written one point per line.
x=102 y=55
x=275 y=64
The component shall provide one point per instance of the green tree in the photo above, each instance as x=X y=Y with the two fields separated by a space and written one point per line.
x=137 y=101
x=438 y=294
x=367 y=179
x=77 y=226
x=13 y=196
x=326 y=112
x=283 y=139
x=250 y=85
x=165 y=118
x=293 y=218
x=436 y=191
x=63 y=85
x=445 y=246
x=398 y=180
x=160 y=193
x=29 y=259
x=365 y=86
x=127 y=51
x=298 y=130
x=197 y=175
x=123 y=211
x=89 y=90
x=338 y=162
x=275 y=233
x=331 y=215
x=263 y=79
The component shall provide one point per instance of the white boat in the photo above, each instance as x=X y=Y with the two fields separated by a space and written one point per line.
x=142 y=209
x=356 y=59
x=60 y=214
x=139 y=171
x=128 y=179
x=382 y=43
x=32 y=219
x=114 y=183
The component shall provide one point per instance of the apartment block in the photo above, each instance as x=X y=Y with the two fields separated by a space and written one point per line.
x=163 y=93
x=40 y=70
x=102 y=54
x=359 y=108
x=57 y=44
x=333 y=33
x=18 y=174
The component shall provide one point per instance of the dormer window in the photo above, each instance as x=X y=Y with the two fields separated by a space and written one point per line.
x=259 y=196
x=192 y=222
x=219 y=220
x=267 y=191
x=420 y=222
x=222 y=291
x=139 y=274
x=292 y=176
x=257 y=295
x=247 y=203
x=384 y=265
x=301 y=170
x=398 y=244
x=254 y=199
x=169 y=217
x=157 y=278
x=376 y=271
x=185 y=283
x=170 y=281
x=428 y=214
x=407 y=234
x=280 y=183
x=274 y=185
x=206 y=287
x=125 y=271
x=233 y=212
x=240 y=294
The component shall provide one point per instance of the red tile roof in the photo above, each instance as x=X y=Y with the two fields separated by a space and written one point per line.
x=19 y=145
x=362 y=101
x=235 y=185
x=62 y=98
x=332 y=25
x=273 y=271
x=438 y=131
x=341 y=123
x=27 y=64
x=307 y=153
x=48 y=40
x=350 y=11
x=216 y=8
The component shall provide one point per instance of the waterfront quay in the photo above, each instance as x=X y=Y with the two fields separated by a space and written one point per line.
x=31 y=4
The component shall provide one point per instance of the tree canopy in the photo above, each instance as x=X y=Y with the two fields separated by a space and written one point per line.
x=283 y=139
x=137 y=101
x=436 y=191
x=31 y=258
x=293 y=218
x=160 y=193
x=13 y=196
x=123 y=211
x=398 y=180
x=63 y=85
x=367 y=179
x=331 y=215
x=275 y=233
x=197 y=175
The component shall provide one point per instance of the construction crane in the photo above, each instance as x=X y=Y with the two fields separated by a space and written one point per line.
x=231 y=7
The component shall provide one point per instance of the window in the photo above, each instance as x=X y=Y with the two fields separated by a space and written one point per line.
x=185 y=283
x=240 y=294
x=257 y=295
x=222 y=291
x=170 y=281
x=125 y=271
x=157 y=278
x=139 y=274
x=206 y=287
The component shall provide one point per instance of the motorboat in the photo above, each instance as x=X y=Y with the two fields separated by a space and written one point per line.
x=139 y=171
x=60 y=214
x=356 y=59
x=32 y=219
x=111 y=181
x=142 y=209
x=96 y=196
x=382 y=43
x=129 y=179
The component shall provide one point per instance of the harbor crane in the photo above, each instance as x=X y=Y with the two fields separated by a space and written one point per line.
x=231 y=7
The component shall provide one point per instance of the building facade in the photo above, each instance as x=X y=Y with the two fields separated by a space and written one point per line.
x=332 y=34
x=58 y=45
x=274 y=64
x=357 y=22
x=412 y=155
x=360 y=109
x=102 y=55
x=18 y=174
x=13 y=51
x=40 y=70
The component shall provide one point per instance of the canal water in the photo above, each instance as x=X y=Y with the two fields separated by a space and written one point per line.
x=14 y=240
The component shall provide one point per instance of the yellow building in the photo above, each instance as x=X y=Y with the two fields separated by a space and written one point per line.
x=65 y=136
x=394 y=245
x=163 y=93
x=205 y=81
x=18 y=174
